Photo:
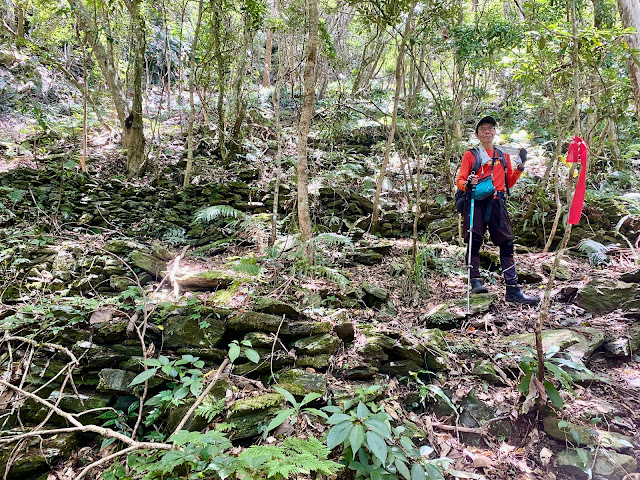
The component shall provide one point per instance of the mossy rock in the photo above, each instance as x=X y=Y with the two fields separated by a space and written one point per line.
x=259 y=339
x=364 y=256
x=180 y=331
x=562 y=273
x=196 y=422
x=300 y=382
x=306 y=329
x=451 y=314
x=373 y=294
x=580 y=342
x=401 y=368
x=317 y=344
x=123 y=246
x=265 y=365
x=112 y=332
x=489 y=260
x=317 y=362
x=205 y=280
x=244 y=322
x=579 y=435
x=39 y=455
x=606 y=465
x=360 y=372
x=118 y=381
x=148 y=263
x=527 y=277
x=602 y=296
x=275 y=307
x=484 y=369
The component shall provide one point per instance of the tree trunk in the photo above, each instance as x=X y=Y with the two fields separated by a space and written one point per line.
x=19 y=25
x=192 y=86
x=394 y=118
x=221 y=66
x=276 y=120
x=309 y=81
x=630 y=14
x=267 y=51
x=133 y=137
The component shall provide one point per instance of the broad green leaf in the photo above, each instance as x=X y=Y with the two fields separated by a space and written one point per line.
x=362 y=411
x=338 y=434
x=417 y=472
x=356 y=437
x=315 y=411
x=378 y=427
x=290 y=398
x=143 y=376
x=252 y=355
x=553 y=394
x=440 y=393
x=402 y=469
x=376 y=475
x=523 y=386
x=433 y=473
x=152 y=362
x=234 y=352
x=582 y=453
x=338 y=418
x=377 y=445
x=310 y=397
x=279 y=419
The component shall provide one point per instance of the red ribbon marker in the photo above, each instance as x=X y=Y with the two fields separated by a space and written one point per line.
x=578 y=152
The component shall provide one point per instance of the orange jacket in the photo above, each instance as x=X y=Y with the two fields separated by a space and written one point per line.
x=468 y=160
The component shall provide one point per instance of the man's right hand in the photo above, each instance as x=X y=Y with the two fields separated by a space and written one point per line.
x=472 y=180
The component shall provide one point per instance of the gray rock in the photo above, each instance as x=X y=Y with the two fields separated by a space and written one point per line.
x=451 y=314
x=244 y=322
x=182 y=331
x=116 y=381
x=38 y=455
x=148 y=263
x=608 y=465
x=364 y=256
x=579 y=342
x=579 y=435
x=374 y=294
x=631 y=277
x=317 y=344
x=300 y=382
x=563 y=269
x=205 y=280
x=626 y=345
x=601 y=296
x=345 y=330
x=275 y=307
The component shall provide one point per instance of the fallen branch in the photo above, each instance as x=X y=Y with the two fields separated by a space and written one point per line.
x=481 y=430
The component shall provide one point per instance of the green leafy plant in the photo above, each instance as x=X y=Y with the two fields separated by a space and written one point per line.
x=296 y=408
x=238 y=219
x=596 y=251
x=294 y=457
x=555 y=364
x=236 y=349
x=372 y=448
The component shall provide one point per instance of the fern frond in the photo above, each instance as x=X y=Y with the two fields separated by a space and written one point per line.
x=331 y=239
x=248 y=266
x=327 y=272
x=208 y=214
x=175 y=236
x=210 y=410
x=596 y=251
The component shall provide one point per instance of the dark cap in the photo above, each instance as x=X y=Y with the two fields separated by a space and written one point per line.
x=488 y=119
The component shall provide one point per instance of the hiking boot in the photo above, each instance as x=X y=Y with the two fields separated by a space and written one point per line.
x=514 y=294
x=477 y=286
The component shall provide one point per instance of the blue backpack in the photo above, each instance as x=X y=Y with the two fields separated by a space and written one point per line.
x=461 y=196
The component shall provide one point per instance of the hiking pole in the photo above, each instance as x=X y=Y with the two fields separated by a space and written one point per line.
x=473 y=204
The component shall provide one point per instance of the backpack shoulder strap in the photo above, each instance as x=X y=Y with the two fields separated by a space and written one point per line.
x=476 y=159
x=503 y=161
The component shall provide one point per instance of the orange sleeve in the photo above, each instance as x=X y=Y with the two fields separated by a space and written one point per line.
x=512 y=174
x=465 y=170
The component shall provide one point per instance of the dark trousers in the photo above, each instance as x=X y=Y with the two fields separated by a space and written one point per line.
x=498 y=223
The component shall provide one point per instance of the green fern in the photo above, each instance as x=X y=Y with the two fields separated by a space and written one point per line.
x=210 y=410
x=330 y=273
x=331 y=239
x=208 y=214
x=248 y=266
x=596 y=251
x=175 y=236
x=295 y=456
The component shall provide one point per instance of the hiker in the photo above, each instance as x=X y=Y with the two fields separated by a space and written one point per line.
x=491 y=212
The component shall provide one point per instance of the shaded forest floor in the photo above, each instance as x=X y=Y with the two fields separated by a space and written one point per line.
x=400 y=305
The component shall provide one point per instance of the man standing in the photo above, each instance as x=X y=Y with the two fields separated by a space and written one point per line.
x=491 y=212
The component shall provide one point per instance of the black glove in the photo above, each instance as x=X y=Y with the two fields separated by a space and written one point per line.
x=521 y=159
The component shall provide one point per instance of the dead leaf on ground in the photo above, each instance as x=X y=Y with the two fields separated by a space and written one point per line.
x=102 y=315
x=545 y=456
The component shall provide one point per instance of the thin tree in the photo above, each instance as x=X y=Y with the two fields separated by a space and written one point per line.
x=630 y=14
x=309 y=84
x=192 y=86
x=394 y=118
